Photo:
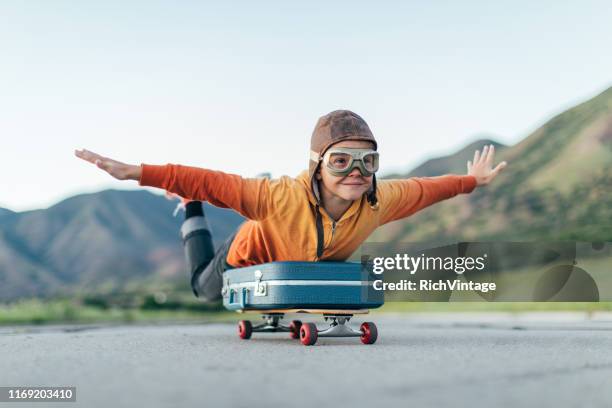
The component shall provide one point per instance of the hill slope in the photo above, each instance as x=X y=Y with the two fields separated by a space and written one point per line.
x=96 y=240
x=451 y=164
x=557 y=186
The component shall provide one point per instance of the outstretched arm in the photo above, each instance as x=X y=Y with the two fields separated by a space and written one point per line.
x=405 y=197
x=254 y=198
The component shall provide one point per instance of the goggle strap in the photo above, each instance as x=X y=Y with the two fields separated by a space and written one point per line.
x=314 y=156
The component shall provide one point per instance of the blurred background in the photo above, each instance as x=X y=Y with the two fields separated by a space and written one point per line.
x=238 y=87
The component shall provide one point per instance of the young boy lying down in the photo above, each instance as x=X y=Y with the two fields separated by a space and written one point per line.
x=323 y=214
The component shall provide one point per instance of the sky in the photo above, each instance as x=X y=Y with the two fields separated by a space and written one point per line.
x=238 y=86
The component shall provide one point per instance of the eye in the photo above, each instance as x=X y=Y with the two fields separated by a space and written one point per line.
x=339 y=160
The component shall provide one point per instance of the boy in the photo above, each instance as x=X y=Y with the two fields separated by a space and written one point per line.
x=323 y=214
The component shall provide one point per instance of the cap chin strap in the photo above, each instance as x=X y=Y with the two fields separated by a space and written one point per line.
x=315 y=189
x=320 y=233
x=371 y=195
x=314 y=156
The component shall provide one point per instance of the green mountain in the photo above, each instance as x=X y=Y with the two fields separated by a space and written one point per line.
x=90 y=241
x=557 y=186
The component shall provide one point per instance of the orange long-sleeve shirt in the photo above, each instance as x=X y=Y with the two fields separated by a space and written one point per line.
x=281 y=212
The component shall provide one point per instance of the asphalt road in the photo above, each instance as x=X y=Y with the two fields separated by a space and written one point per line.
x=420 y=361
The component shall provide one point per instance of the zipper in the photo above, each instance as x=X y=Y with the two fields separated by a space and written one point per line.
x=333 y=231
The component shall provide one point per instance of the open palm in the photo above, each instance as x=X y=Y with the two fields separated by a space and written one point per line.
x=482 y=166
x=117 y=169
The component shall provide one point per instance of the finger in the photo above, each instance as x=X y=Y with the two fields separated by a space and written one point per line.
x=80 y=154
x=483 y=156
x=491 y=155
x=476 y=156
x=87 y=155
x=469 y=166
x=97 y=156
x=498 y=168
x=84 y=154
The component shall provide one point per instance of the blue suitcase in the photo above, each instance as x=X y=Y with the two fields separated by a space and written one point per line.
x=300 y=285
x=337 y=290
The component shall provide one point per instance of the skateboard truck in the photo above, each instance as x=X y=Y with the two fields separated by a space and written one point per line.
x=308 y=333
x=271 y=324
x=338 y=327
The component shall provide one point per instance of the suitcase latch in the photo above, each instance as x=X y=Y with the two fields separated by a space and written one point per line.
x=260 y=287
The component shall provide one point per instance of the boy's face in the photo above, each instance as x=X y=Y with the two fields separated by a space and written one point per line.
x=352 y=186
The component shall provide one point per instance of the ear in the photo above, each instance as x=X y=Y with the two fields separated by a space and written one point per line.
x=318 y=174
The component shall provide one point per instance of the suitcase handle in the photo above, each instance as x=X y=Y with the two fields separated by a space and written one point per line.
x=232 y=297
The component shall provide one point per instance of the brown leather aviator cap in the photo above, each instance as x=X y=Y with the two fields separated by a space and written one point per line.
x=332 y=128
x=335 y=127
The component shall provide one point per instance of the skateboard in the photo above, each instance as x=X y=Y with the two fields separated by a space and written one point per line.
x=308 y=333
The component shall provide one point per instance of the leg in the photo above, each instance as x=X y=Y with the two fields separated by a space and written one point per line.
x=208 y=284
x=205 y=266
x=197 y=240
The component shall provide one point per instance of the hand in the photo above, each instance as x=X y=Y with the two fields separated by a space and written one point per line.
x=118 y=170
x=481 y=168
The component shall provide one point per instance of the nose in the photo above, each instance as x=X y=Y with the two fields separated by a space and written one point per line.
x=355 y=172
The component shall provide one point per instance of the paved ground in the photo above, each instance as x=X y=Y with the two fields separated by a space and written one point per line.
x=444 y=360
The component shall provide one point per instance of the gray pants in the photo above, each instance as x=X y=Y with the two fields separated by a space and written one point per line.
x=206 y=266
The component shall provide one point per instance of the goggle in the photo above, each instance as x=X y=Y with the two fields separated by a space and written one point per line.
x=340 y=161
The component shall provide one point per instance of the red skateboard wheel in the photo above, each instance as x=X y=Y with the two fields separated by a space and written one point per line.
x=245 y=329
x=295 y=329
x=369 y=333
x=308 y=334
